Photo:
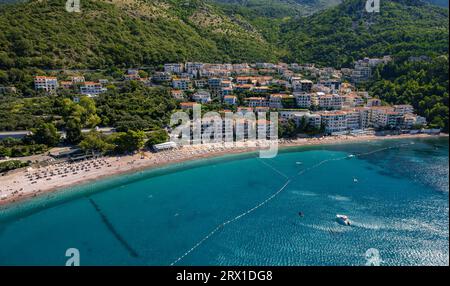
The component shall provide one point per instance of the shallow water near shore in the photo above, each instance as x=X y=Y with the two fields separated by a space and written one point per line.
x=394 y=191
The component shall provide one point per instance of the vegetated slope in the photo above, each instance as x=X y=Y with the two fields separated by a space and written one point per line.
x=345 y=33
x=124 y=33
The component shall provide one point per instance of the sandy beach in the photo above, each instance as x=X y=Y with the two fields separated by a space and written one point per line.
x=26 y=183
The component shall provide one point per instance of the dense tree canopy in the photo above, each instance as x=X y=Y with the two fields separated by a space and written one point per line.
x=423 y=84
x=338 y=36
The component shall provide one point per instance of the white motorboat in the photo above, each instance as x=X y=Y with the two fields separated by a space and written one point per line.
x=343 y=219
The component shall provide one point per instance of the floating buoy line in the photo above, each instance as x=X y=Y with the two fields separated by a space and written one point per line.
x=274 y=195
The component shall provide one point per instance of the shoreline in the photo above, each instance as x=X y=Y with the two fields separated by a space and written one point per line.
x=18 y=186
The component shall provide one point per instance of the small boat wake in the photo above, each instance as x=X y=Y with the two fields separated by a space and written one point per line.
x=343 y=219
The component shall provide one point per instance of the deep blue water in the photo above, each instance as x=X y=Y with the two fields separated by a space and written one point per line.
x=396 y=196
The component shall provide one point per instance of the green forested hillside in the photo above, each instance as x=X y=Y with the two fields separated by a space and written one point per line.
x=109 y=34
x=124 y=33
x=424 y=84
x=276 y=8
x=127 y=33
x=340 y=35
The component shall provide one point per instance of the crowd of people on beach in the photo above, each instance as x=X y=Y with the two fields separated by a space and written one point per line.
x=53 y=171
x=33 y=180
x=61 y=174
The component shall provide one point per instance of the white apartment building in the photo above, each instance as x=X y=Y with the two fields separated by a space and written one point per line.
x=382 y=117
x=302 y=85
x=276 y=100
x=77 y=79
x=177 y=94
x=193 y=68
x=354 y=100
x=47 y=83
x=230 y=99
x=304 y=100
x=313 y=119
x=353 y=119
x=225 y=91
x=411 y=120
x=362 y=71
x=334 y=121
x=364 y=117
x=265 y=65
x=161 y=76
x=91 y=88
x=257 y=101
x=202 y=96
x=181 y=83
x=330 y=101
x=66 y=84
x=403 y=109
x=245 y=80
x=200 y=83
x=215 y=83
x=176 y=68
x=333 y=84
x=288 y=114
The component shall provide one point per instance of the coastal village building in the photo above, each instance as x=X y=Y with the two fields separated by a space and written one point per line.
x=276 y=100
x=257 y=101
x=260 y=89
x=187 y=105
x=334 y=121
x=303 y=85
x=403 y=109
x=77 y=79
x=244 y=109
x=181 y=83
x=230 y=99
x=174 y=68
x=362 y=71
x=330 y=101
x=161 y=76
x=215 y=83
x=313 y=119
x=225 y=91
x=47 y=83
x=177 y=94
x=353 y=100
x=304 y=100
x=385 y=117
x=373 y=102
x=132 y=74
x=246 y=80
x=353 y=118
x=7 y=89
x=411 y=121
x=243 y=87
x=193 y=68
x=66 y=84
x=200 y=83
x=202 y=96
x=91 y=88
x=363 y=68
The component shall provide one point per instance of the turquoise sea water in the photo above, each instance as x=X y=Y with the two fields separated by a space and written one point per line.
x=395 y=193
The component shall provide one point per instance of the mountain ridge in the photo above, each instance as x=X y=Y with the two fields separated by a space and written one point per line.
x=126 y=33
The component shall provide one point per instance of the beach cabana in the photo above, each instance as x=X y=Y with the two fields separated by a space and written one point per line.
x=164 y=146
